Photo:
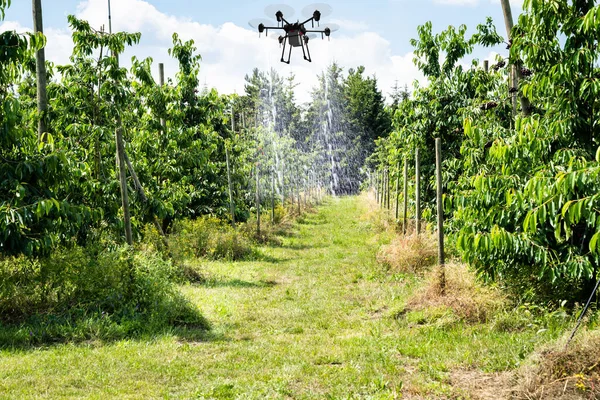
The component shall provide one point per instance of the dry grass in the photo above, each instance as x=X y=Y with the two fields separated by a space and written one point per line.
x=409 y=254
x=378 y=218
x=556 y=372
x=469 y=300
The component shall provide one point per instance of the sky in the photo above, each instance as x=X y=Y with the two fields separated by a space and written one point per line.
x=375 y=34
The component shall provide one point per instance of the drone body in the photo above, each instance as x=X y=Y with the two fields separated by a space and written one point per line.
x=296 y=34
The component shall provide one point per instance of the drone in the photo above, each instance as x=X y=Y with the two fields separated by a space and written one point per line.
x=296 y=33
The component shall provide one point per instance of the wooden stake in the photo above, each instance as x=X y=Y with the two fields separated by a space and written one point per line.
x=161 y=79
x=123 y=180
x=515 y=73
x=40 y=68
x=273 y=197
x=405 y=199
x=397 y=190
x=440 y=214
x=377 y=187
x=231 y=202
x=257 y=202
x=142 y=193
x=417 y=192
x=387 y=199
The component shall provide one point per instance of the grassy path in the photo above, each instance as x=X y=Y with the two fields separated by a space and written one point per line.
x=315 y=321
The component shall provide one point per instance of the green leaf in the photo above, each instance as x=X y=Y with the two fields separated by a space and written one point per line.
x=594 y=243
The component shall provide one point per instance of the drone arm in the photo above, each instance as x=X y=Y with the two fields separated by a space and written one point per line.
x=308 y=20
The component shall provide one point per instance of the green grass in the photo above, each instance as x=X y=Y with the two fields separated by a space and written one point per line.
x=319 y=319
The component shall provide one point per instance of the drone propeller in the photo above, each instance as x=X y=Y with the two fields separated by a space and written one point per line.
x=260 y=24
x=317 y=10
x=332 y=27
x=280 y=11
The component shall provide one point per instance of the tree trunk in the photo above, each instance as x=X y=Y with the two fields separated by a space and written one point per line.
x=40 y=67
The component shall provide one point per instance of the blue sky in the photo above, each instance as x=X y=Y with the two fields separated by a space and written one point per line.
x=374 y=33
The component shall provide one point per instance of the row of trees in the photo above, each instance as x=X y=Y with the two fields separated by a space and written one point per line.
x=521 y=177
x=60 y=183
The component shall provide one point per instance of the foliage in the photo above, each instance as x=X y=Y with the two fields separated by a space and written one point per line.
x=521 y=193
x=210 y=238
x=100 y=291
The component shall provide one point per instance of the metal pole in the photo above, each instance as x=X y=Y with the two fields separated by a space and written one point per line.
x=440 y=214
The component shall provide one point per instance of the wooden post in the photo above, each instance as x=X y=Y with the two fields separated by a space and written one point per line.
x=387 y=199
x=405 y=199
x=273 y=196
x=257 y=201
x=298 y=198
x=515 y=73
x=440 y=212
x=123 y=180
x=381 y=188
x=40 y=68
x=417 y=192
x=230 y=184
x=161 y=80
x=486 y=66
x=142 y=194
x=377 y=187
x=397 y=190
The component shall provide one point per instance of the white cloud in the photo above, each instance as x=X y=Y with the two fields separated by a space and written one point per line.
x=58 y=41
x=517 y=4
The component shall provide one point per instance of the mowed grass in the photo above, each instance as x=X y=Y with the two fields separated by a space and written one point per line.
x=321 y=319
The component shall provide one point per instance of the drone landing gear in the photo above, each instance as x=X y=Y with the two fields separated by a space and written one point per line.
x=307 y=51
x=283 y=52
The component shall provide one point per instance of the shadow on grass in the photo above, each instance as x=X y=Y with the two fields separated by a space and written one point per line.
x=314 y=219
x=81 y=327
x=303 y=246
x=236 y=283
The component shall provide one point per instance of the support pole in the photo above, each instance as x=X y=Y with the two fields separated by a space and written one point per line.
x=405 y=199
x=123 y=180
x=397 y=190
x=230 y=184
x=161 y=77
x=440 y=215
x=40 y=68
x=515 y=71
x=387 y=199
x=273 y=197
x=417 y=192
x=257 y=201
